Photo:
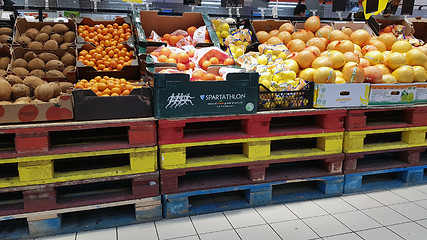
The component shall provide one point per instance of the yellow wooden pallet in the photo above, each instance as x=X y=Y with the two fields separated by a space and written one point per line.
x=174 y=156
x=409 y=137
x=41 y=169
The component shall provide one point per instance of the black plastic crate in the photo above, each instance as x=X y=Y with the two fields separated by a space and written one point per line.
x=269 y=100
x=245 y=24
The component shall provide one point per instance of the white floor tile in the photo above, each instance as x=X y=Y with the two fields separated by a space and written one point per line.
x=223 y=235
x=410 y=231
x=347 y=236
x=385 y=216
x=60 y=237
x=276 y=213
x=334 y=205
x=357 y=220
x=379 y=233
x=295 y=229
x=244 y=218
x=306 y=209
x=211 y=223
x=188 y=238
x=257 y=233
x=423 y=222
x=361 y=201
x=410 y=210
x=104 y=234
x=326 y=226
x=411 y=194
x=387 y=197
x=175 y=228
x=148 y=230
x=422 y=188
x=422 y=203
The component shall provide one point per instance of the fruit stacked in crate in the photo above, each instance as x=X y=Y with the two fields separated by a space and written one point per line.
x=384 y=147
x=231 y=162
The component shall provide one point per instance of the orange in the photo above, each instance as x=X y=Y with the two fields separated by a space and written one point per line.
x=191 y=30
x=191 y=53
x=115 y=94
x=173 y=40
x=183 y=58
x=119 y=67
x=174 y=56
x=171 y=60
x=191 y=65
x=99 y=93
x=94 y=89
x=198 y=74
x=205 y=65
x=167 y=36
x=162 y=58
x=116 y=90
x=80 y=85
x=125 y=92
x=181 y=67
x=229 y=61
x=102 y=86
x=214 y=60
x=219 y=78
x=209 y=77
x=165 y=51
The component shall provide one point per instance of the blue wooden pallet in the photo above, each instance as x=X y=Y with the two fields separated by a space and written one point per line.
x=93 y=217
x=384 y=179
x=230 y=198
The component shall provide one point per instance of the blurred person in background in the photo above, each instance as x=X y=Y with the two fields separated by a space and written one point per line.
x=300 y=10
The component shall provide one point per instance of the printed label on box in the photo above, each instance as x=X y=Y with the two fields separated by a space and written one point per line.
x=341 y=95
x=383 y=94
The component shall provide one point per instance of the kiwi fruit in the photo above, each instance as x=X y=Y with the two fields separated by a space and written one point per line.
x=6 y=31
x=20 y=72
x=60 y=28
x=35 y=45
x=64 y=46
x=5 y=90
x=13 y=79
x=47 y=29
x=46 y=57
x=58 y=38
x=50 y=45
x=5 y=39
x=22 y=100
x=20 y=90
x=42 y=37
x=3 y=73
x=38 y=73
x=4 y=50
x=28 y=56
x=33 y=82
x=55 y=65
x=36 y=63
x=20 y=62
x=32 y=33
x=69 y=69
x=68 y=59
x=4 y=62
x=54 y=74
x=44 y=92
x=65 y=86
x=69 y=36
x=56 y=89
x=24 y=41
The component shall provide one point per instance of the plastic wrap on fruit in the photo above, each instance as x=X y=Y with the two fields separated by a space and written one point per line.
x=226 y=70
x=155 y=37
x=274 y=50
x=239 y=37
x=173 y=49
x=204 y=54
x=170 y=71
x=235 y=51
x=397 y=29
x=199 y=35
x=415 y=41
x=265 y=76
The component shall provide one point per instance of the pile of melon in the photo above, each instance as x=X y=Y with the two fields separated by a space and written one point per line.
x=14 y=90
x=48 y=37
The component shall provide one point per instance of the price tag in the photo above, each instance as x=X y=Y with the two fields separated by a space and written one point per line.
x=133 y=1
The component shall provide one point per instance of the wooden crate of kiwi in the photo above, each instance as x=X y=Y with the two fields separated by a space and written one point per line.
x=45 y=35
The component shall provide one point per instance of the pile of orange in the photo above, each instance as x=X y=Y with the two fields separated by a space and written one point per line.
x=182 y=60
x=105 y=36
x=199 y=75
x=107 y=86
x=111 y=58
x=173 y=39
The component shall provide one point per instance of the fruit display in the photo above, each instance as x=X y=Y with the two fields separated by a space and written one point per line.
x=30 y=90
x=180 y=38
x=111 y=58
x=45 y=65
x=4 y=59
x=108 y=35
x=107 y=86
x=6 y=35
x=48 y=37
x=180 y=57
x=398 y=31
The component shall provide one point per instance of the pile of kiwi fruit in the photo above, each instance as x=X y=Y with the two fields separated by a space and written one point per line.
x=49 y=37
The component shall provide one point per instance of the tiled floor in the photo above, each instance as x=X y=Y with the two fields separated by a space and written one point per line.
x=391 y=214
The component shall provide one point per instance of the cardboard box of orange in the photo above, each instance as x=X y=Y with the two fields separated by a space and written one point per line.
x=420 y=26
x=385 y=21
x=92 y=22
x=354 y=26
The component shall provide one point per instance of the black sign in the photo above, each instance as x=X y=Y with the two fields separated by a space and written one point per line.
x=339 y=5
x=193 y=2
x=232 y=3
x=371 y=6
x=407 y=7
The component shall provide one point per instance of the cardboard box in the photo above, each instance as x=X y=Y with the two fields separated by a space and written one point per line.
x=354 y=26
x=268 y=24
x=23 y=25
x=152 y=21
x=391 y=94
x=420 y=26
x=23 y=113
x=421 y=96
x=385 y=21
x=341 y=95
x=19 y=52
x=89 y=106
x=176 y=96
x=92 y=22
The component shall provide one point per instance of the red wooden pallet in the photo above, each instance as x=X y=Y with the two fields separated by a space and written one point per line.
x=373 y=118
x=263 y=124
x=68 y=137
x=36 y=198
x=210 y=177
x=383 y=159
